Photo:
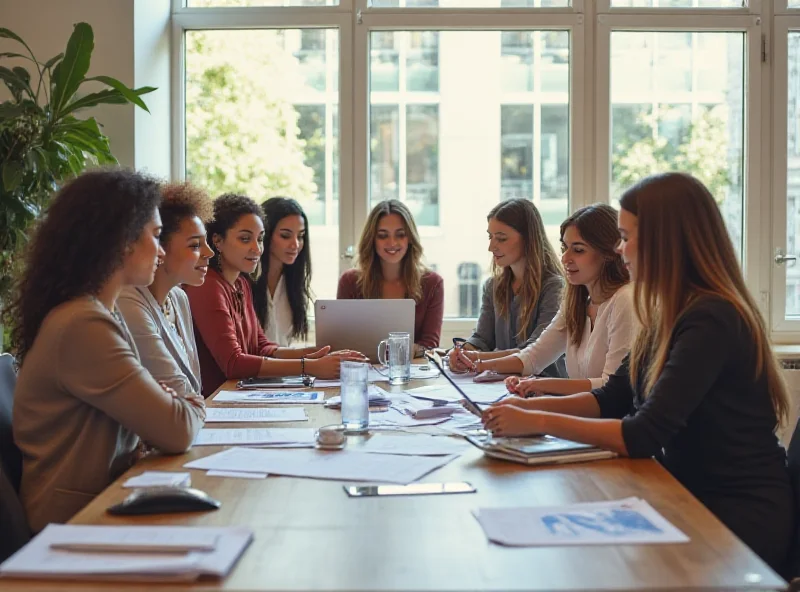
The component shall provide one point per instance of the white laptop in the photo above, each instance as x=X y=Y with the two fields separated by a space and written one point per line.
x=362 y=324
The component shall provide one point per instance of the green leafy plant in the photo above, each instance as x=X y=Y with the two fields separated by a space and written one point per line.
x=42 y=141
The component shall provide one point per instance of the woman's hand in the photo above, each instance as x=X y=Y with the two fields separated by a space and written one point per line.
x=461 y=360
x=317 y=353
x=327 y=367
x=511 y=421
x=193 y=399
x=350 y=355
x=512 y=383
x=516 y=401
x=532 y=387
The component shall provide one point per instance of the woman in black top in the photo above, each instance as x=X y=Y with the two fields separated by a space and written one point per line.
x=701 y=389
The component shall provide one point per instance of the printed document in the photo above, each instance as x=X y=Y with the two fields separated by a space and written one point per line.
x=254 y=436
x=257 y=414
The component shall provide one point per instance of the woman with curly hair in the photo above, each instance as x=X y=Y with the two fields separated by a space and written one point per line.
x=83 y=399
x=230 y=340
x=390 y=266
x=158 y=315
x=283 y=290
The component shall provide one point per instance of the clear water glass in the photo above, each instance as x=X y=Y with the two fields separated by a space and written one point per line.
x=395 y=352
x=355 y=396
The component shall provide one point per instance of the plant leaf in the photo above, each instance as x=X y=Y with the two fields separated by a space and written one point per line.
x=130 y=94
x=11 y=54
x=9 y=34
x=70 y=71
x=105 y=97
x=14 y=83
x=12 y=175
x=9 y=110
x=52 y=61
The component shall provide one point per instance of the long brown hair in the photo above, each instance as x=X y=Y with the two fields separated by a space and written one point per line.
x=597 y=225
x=540 y=259
x=684 y=252
x=369 y=263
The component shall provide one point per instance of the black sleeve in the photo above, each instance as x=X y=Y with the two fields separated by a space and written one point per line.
x=703 y=339
x=615 y=397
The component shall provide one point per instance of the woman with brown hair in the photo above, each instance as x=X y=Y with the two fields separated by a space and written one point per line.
x=390 y=266
x=701 y=389
x=522 y=297
x=595 y=322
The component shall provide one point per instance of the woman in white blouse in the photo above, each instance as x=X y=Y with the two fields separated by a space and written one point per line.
x=282 y=292
x=594 y=325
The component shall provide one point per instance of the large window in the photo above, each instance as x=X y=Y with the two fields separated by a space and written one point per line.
x=454 y=105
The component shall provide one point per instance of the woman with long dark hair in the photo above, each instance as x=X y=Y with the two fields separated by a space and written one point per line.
x=701 y=390
x=282 y=292
x=594 y=325
x=83 y=400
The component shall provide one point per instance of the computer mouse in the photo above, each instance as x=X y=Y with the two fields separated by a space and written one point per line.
x=161 y=500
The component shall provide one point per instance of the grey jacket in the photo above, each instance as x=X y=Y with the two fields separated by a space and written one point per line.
x=497 y=333
x=160 y=349
x=81 y=404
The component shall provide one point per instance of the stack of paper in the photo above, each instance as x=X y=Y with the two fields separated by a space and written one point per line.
x=342 y=465
x=377 y=398
x=627 y=521
x=279 y=437
x=159 y=479
x=418 y=371
x=539 y=450
x=270 y=397
x=257 y=415
x=157 y=553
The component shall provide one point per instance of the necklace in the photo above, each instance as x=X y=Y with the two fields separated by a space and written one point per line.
x=168 y=308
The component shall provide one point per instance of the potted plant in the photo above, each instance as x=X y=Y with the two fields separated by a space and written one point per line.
x=43 y=142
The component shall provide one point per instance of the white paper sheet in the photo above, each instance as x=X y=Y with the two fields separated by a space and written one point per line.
x=418 y=372
x=237 y=474
x=38 y=560
x=254 y=414
x=251 y=436
x=628 y=521
x=396 y=418
x=416 y=445
x=342 y=465
x=282 y=397
x=159 y=479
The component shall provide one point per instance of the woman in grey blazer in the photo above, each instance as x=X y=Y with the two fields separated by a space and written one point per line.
x=83 y=401
x=158 y=315
x=524 y=292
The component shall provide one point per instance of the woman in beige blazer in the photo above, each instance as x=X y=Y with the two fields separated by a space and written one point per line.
x=158 y=315
x=83 y=401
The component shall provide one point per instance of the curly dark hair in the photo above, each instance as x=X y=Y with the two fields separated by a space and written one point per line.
x=228 y=208
x=297 y=275
x=78 y=244
x=179 y=202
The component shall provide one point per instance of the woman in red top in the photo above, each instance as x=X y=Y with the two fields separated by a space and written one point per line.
x=390 y=266
x=230 y=340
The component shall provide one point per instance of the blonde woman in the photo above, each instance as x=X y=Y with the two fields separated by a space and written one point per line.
x=594 y=325
x=701 y=389
x=390 y=266
x=523 y=295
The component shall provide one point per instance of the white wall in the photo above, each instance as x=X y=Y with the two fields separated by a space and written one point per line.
x=46 y=25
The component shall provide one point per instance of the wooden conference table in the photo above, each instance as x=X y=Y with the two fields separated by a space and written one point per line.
x=310 y=536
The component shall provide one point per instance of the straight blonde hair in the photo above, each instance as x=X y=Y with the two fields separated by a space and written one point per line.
x=684 y=253
x=370 y=274
x=540 y=259
x=597 y=225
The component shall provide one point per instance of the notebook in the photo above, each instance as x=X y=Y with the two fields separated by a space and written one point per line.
x=539 y=450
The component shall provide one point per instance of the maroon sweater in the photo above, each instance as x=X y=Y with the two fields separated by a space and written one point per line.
x=230 y=340
x=428 y=312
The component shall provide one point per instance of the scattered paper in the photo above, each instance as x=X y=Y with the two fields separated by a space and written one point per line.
x=250 y=436
x=393 y=418
x=258 y=414
x=377 y=397
x=38 y=560
x=159 y=479
x=416 y=445
x=237 y=474
x=342 y=465
x=627 y=521
x=245 y=396
x=418 y=372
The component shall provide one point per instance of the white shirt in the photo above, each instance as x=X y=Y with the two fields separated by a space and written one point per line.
x=278 y=322
x=601 y=349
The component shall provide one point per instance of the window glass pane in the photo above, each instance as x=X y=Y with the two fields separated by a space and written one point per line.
x=794 y=3
x=455 y=141
x=677 y=104
x=227 y=3
x=678 y=3
x=248 y=135
x=470 y=3
x=793 y=178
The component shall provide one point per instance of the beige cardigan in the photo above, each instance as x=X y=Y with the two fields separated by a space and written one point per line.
x=81 y=404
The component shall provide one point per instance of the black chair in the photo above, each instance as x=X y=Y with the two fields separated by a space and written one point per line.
x=13 y=523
